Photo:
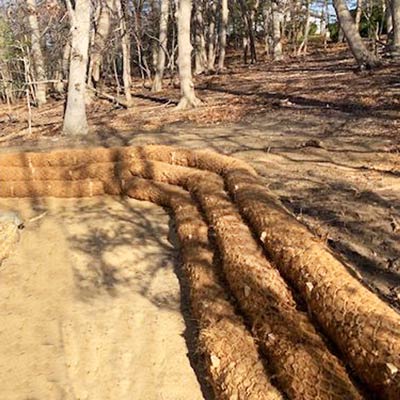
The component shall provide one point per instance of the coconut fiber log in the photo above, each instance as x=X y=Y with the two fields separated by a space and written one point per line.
x=102 y=171
x=231 y=356
x=232 y=360
x=305 y=369
x=203 y=159
x=66 y=157
x=50 y=188
x=365 y=329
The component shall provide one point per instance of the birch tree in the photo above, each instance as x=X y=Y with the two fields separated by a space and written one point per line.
x=75 y=121
x=37 y=56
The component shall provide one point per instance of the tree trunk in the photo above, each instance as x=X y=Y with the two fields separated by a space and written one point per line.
x=223 y=33
x=200 y=51
x=6 y=77
x=100 y=38
x=248 y=41
x=162 y=46
x=266 y=13
x=188 y=96
x=277 y=17
x=389 y=20
x=75 y=122
x=324 y=23
x=37 y=55
x=358 y=14
x=212 y=36
x=395 y=8
x=252 y=28
x=303 y=45
x=66 y=59
x=126 y=52
x=362 y=55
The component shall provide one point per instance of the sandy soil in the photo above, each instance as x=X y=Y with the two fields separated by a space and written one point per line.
x=91 y=305
x=106 y=320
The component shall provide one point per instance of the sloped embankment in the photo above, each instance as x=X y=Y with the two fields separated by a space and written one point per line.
x=364 y=329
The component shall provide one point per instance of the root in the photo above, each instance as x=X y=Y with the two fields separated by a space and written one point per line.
x=186 y=103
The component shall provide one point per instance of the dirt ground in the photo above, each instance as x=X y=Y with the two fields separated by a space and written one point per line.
x=91 y=305
x=326 y=141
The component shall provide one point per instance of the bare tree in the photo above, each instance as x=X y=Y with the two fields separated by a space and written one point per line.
x=107 y=7
x=126 y=52
x=303 y=45
x=38 y=61
x=358 y=14
x=267 y=19
x=188 y=96
x=389 y=20
x=362 y=55
x=200 y=42
x=277 y=17
x=251 y=15
x=248 y=34
x=212 y=35
x=75 y=121
x=162 y=46
x=223 y=33
x=395 y=8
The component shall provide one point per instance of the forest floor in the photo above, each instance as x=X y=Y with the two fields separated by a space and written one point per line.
x=325 y=138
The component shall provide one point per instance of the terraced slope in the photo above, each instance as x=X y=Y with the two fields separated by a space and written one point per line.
x=312 y=320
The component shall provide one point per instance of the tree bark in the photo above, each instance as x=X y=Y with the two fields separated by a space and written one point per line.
x=66 y=59
x=252 y=26
x=212 y=36
x=75 y=121
x=200 y=60
x=126 y=52
x=266 y=13
x=223 y=33
x=37 y=55
x=395 y=8
x=358 y=14
x=100 y=38
x=162 y=46
x=188 y=96
x=277 y=16
x=249 y=40
x=360 y=52
x=389 y=20
x=303 y=45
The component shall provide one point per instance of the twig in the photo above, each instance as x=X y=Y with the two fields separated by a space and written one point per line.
x=40 y=216
x=107 y=96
